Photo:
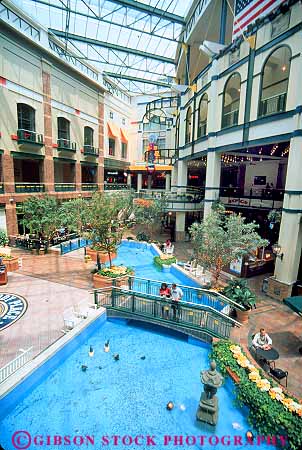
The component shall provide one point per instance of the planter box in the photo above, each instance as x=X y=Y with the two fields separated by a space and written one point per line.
x=100 y=281
x=11 y=264
x=103 y=257
x=242 y=316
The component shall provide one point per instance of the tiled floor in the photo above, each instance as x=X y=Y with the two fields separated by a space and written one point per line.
x=51 y=284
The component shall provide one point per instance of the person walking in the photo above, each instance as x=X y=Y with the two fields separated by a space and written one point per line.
x=176 y=294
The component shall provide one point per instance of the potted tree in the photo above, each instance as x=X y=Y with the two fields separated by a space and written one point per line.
x=239 y=292
x=107 y=218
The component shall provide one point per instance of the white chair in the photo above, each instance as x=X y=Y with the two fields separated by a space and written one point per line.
x=81 y=310
x=169 y=250
x=199 y=271
x=70 y=319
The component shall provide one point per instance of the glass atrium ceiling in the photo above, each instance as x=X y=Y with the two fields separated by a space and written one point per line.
x=133 y=43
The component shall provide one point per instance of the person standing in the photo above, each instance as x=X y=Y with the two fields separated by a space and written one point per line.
x=176 y=294
x=165 y=294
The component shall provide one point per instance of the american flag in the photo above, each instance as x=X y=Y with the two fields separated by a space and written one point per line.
x=247 y=11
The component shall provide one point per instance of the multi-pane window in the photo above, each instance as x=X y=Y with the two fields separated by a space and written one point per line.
x=111 y=147
x=231 y=101
x=88 y=136
x=188 y=135
x=124 y=150
x=63 y=128
x=26 y=117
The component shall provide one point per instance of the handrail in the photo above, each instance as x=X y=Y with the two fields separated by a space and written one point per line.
x=208 y=292
x=12 y=366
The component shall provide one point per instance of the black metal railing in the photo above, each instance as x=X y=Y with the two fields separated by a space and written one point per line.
x=65 y=187
x=229 y=119
x=89 y=187
x=188 y=316
x=66 y=144
x=116 y=187
x=189 y=195
x=29 y=137
x=90 y=150
x=29 y=187
x=258 y=197
x=272 y=105
x=191 y=294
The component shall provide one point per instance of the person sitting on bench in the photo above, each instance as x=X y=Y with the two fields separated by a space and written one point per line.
x=262 y=340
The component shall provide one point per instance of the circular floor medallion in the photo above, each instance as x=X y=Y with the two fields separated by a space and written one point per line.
x=12 y=308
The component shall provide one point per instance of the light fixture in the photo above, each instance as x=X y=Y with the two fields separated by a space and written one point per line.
x=277 y=250
x=11 y=200
x=283 y=68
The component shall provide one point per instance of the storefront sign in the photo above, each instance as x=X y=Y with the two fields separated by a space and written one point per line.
x=12 y=308
x=112 y=173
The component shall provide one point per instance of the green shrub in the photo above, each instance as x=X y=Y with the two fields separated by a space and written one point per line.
x=269 y=417
x=116 y=271
x=167 y=261
x=141 y=236
x=239 y=292
x=3 y=238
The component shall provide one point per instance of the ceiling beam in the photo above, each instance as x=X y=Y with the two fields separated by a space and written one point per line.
x=111 y=46
x=163 y=14
x=122 y=76
x=101 y=19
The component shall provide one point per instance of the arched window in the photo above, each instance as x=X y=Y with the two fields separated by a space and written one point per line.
x=231 y=100
x=63 y=129
x=274 y=82
x=88 y=136
x=202 y=116
x=188 y=135
x=26 y=117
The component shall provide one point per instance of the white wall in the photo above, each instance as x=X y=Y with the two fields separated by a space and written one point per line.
x=269 y=169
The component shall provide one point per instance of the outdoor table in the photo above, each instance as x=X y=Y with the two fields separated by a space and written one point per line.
x=269 y=356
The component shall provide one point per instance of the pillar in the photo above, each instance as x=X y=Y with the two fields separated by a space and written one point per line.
x=11 y=219
x=100 y=179
x=174 y=177
x=129 y=179
x=212 y=181
x=290 y=237
x=48 y=163
x=149 y=185
x=168 y=181
x=78 y=176
x=8 y=172
x=139 y=181
x=182 y=176
x=180 y=226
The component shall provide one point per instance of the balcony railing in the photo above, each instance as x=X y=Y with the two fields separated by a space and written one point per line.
x=21 y=187
x=29 y=137
x=92 y=151
x=116 y=187
x=1 y=188
x=65 y=187
x=272 y=105
x=162 y=156
x=89 y=186
x=229 y=119
x=189 y=200
x=66 y=144
x=255 y=197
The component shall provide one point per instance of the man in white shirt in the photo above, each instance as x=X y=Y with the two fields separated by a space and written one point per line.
x=176 y=295
x=262 y=340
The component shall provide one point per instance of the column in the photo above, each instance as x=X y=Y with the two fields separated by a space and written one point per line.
x=78 y=176
x=174 y=177
x=182 y=176
x=149 y=185
x=8 y=172
x=11 y=219
x=212 y=181
x=180 y=226
x=139 y=181
x=100 y=179
x=129 y=179
x=48 y=163
x=290 y=237
x=168 y=181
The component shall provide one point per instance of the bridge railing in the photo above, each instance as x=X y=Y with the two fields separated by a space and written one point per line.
x=15 y=364
x=192 y=316
x=191 y=294
x=74 y=244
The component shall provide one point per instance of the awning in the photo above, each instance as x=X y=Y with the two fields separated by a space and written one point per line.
x=113 y=130
x=124 y=136
x=294 y=303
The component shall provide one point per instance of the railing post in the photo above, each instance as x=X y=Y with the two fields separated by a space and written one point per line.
x=95 y=298
x=113 y=291
x=70 y=246
x=61 y=249
x=133 y=303
x=148 y=287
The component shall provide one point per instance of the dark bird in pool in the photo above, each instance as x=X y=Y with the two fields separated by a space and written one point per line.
x=143 y=357
x=100 y=367
x=116 y=357
x=84 y=368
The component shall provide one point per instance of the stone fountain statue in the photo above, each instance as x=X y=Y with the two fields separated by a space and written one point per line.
x=208 y=403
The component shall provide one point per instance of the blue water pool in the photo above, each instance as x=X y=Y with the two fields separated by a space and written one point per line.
x=125 y=397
